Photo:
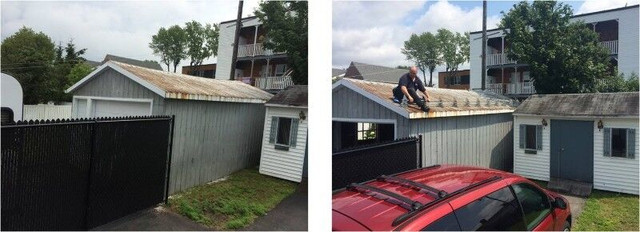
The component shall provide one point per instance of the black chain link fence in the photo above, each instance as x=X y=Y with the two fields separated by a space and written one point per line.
x=358 y=164
x=81 y=173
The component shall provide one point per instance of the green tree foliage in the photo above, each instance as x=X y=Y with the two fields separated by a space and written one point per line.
x=618 y=83
x=79 y=71
x=287 y=31
x=424 y=51
x=454 y=48
x=202 y=41
x=29 y=57
x=178 y=43
x=160 y=44
x=564 y=56
x=62 y=68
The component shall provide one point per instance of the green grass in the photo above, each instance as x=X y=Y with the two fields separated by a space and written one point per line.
x=233 y=203
x=607 y=211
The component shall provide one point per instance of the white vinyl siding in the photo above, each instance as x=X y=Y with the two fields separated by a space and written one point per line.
x=287 y=165
x=615 y=173
x=534 y=166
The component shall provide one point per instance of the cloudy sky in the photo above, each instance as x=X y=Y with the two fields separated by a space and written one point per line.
x=374 y=32
x=122 y=28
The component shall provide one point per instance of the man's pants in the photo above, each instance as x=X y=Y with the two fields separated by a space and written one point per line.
x=397 y=94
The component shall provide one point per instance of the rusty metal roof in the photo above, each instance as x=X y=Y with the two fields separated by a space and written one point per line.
x=444 y=102
x=180 y=86
x=295 y=95
x=581 y=105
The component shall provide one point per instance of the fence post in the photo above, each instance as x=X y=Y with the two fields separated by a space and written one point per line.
x=170 y=151
x=91 y=157
x=419 y=151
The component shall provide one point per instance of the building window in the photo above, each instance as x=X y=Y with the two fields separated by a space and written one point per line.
x=283 y=132
x=281 y=69
x=619 y=142
x=531 y=138
x=366 y=131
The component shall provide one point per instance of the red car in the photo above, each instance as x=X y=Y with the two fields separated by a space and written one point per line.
x=450 y=197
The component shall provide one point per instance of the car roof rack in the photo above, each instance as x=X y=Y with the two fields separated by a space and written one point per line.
x=423 y=188
x=409 y=214
x=401 y=201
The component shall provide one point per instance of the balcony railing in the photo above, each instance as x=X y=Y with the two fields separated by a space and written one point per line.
x=279 y=82
x=612 y=46
x=494 y=88
x=248 y=50
x=499 y=59
x=521 y=88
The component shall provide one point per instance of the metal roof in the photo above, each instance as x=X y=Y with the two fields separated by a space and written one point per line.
x=444 y=102
x=370 y=72
x=145 y=63
x=581 y=105
x=181 y=86
x=295 y=96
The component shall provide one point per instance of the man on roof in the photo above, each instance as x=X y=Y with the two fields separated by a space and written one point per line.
x=407 y=86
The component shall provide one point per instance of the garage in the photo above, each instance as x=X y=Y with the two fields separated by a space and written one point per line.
x=579 y=140
x=111 y=107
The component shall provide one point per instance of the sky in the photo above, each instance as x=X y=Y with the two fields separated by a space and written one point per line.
x=374 y=32
x=122 y=28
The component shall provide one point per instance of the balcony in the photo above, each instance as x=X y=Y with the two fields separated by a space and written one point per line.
x=521 y=88
x=257 y=49
x=498 y=59
x=494 y=88
x=277 y=82
x=612 y=46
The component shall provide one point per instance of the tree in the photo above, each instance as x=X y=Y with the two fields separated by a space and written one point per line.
x=160 y=44
x=29 y=57
x=423 y=50
x=618 y=83
x=563 y=56
x=454 y=48
x=59 y=75
x=78 y=72
x=202 y=42
x=286 y=27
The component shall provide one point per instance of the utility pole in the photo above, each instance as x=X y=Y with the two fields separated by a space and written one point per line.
x=484 y=44
x=235 y=41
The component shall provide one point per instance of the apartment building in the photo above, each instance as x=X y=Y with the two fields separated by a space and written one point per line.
x=263 y=68
x=618 y=29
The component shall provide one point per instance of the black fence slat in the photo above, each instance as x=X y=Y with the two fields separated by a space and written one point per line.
x=363 y=163
x=80 y=173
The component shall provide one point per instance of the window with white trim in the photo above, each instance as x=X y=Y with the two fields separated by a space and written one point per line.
x=367 y=131
x=531 y=138
x=619 y=142
x=283 y=132
x=281 y=69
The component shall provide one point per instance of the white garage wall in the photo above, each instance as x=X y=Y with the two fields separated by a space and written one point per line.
x=614 y=173
x=534 y=166
x=287 y=165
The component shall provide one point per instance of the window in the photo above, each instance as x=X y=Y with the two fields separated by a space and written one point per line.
x=283 y=132
x=280 y=69
x=619 y=142
x=497 y=211
x=535 y=204
x=531 y=138
x=367 y=131
x=447 y=223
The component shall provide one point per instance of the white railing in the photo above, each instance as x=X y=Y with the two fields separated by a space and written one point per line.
x=521 y=88
x=612 y=46
x=499 y=59
x=256 y=49
x=280 y=82
x=494 y=88
x=42 y=111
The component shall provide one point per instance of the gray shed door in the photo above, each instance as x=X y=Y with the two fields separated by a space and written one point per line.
x=105 y=108
x=572 y=150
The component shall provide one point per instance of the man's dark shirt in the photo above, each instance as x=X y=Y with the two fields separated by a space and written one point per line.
x=405 y=80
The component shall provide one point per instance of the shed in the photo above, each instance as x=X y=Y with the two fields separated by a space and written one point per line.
x=580 y=137
x=284 y=143
x=215 y=120
x=463 y=127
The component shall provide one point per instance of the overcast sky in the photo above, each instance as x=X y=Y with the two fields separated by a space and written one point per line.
x=122 y=28
x=374 y=32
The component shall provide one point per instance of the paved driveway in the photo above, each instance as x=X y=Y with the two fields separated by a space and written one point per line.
x=576 y=204
x=290 y=214
x=154 y=219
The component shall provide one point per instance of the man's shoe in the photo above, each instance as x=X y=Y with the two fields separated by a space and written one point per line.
x=396 y=100
x=424 y=108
